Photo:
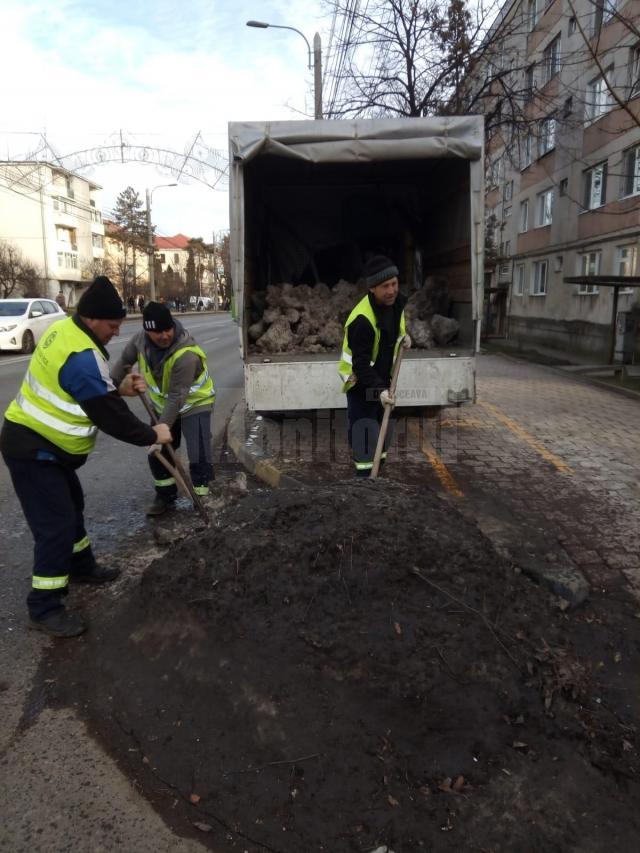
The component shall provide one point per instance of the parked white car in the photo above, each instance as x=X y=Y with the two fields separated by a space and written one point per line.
x=23 y=322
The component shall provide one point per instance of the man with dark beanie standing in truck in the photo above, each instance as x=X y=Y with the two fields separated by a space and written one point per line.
x=373 y=333
x=50 y=428
x=182 y=393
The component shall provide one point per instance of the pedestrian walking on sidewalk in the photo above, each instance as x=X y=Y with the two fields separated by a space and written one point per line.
x=50 y=428
x=373 y=333
x=182 y=392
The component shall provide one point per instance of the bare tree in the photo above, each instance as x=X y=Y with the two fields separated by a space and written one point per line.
x=18 y=277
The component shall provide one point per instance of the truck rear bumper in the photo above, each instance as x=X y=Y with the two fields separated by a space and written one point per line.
x=299 y=385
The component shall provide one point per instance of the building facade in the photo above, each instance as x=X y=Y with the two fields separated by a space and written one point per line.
x=561 y=80
x=52 y=216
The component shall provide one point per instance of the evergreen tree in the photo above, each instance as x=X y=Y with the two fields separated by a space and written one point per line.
x=130 y=216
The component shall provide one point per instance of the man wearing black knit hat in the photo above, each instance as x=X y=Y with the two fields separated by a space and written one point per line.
x=50 y=428
x=373 y=333
x=181 y=390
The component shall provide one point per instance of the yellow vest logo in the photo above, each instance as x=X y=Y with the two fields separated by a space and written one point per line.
x=49 y=339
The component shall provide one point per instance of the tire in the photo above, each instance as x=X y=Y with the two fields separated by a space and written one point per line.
x=28 y=343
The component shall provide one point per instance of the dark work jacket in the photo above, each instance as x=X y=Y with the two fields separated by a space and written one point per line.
x=372 y=379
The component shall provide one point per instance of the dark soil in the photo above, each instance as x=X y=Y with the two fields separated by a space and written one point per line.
x=351 y=667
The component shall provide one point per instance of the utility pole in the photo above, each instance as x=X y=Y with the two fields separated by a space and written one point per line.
x=317 y=75
x=151 y=255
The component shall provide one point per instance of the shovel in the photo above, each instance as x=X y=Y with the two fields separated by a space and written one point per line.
x=176 y=470
x=385 y=418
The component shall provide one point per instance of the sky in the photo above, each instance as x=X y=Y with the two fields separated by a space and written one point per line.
x=142 y=77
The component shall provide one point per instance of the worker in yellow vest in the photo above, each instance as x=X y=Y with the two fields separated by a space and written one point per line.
x=182 y=392
x=49 y=430
x=373 y=333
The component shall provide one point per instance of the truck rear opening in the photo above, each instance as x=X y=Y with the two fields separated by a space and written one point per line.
x=311 y=200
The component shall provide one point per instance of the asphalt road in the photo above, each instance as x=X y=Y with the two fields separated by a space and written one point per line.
x=39 y=773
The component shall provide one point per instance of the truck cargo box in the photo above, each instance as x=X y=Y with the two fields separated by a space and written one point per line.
x=310 y=199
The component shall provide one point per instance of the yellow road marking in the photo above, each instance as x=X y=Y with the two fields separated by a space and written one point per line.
x=516 y=429
x=441 y=471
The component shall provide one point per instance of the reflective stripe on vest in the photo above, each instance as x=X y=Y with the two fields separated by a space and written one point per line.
x=42 y=404
x=81 y=545
x=364 y=309
x=201 y=392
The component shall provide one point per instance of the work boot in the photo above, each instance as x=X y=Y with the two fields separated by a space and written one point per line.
x=59 y=623
x=159 y=507
x=97 y=575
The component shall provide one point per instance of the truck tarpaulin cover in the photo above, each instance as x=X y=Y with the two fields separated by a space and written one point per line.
x=367 y=139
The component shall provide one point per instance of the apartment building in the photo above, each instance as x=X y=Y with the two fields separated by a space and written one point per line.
x=561 y=82
x=52 y=216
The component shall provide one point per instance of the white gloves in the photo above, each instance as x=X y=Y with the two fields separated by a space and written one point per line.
x=387 y=399
x=406 y=342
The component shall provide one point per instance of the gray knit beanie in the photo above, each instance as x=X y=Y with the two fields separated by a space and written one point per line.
x=378 y=269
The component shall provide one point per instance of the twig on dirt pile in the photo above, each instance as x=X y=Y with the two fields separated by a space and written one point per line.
x=513 y=660
x=272 y=764
x=451 y=672
x=220 y=821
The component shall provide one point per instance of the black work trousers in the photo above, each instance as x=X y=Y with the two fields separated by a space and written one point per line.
x=364 y=419
x=197 y=433
x=52 y=501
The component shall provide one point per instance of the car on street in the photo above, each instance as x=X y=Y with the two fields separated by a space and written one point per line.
x=24 y=321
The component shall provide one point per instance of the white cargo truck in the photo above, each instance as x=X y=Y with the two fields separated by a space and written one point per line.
x=310 y=199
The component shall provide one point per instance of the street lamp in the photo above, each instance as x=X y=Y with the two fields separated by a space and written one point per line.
x=316 y=65
x=150 y=248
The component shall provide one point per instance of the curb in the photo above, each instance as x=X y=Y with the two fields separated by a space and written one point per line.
x=578 y=377
x=251 y=456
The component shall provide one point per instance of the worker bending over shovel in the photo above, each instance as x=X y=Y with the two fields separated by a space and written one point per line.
x=181 y=392
x=49 y=430
x=373 y=334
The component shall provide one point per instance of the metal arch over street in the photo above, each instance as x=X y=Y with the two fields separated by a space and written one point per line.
x=199 y=162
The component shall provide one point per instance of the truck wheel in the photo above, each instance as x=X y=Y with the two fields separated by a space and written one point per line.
x=28 y=343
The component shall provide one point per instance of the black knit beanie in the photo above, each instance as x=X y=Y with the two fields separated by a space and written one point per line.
x=379 y=269
x=156 y=317
x=101 y=301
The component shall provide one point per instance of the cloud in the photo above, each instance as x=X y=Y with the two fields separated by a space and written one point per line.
x=158 y=71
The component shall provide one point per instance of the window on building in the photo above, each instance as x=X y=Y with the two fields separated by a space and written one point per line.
x=609 y=8
x=530 y=82
x=527 y=149
x=518 y=285
x=589 y=265
x=573 y=26
x=595 y=186
x=60 y=259
x=563 y=186
x=508 y=191
x=547 y=138
x=551 y=59
x=544 y=208
x=507 y=211
x=539 y=278
x=567 y=107
x=557 y=265
x=634 y=72
x=161 y=258
x=631 y=171
x=626 y=257
x=507 y=248
x=97 y=241
x=67 y=235
x=598 y=100
x=533 y=13
x=69 y=187
x=176 y=258
x=524 y=216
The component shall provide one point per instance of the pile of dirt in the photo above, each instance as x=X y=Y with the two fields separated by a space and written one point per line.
x=354 y=668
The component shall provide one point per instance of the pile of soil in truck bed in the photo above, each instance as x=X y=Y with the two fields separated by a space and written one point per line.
x=354 y=668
